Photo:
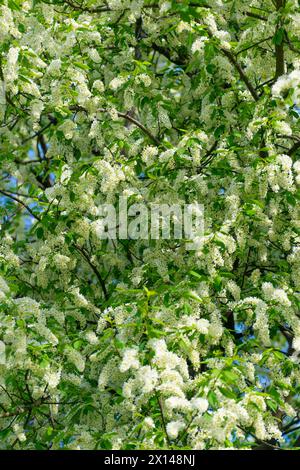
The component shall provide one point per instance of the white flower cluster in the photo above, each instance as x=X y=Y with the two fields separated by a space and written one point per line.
x=117 y=82
x=274 y=294
x=149 y=153
x=287 y=83
x=144 y=79
x=130 y=360
x=279 y=173
x=75 y=358
x=198 y=45
x=12 y=65
x=124 y=343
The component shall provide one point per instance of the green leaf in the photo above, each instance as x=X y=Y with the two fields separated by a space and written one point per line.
x=230 y=376
x=72 y=196
x=227 y=393
x=40 y=232
x=212 y=399
x=82 y=66
x=77 y=344
x=278 y=37
x=219 y=131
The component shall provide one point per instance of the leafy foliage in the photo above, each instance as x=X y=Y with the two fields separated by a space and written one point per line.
x=142 y=344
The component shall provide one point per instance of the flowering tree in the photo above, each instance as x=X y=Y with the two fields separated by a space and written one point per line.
x=134 y=343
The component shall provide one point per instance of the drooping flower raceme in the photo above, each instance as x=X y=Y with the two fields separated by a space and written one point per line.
x=121 y=342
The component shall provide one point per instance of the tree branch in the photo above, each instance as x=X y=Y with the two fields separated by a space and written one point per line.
x=20 y=202
x=38 y=133
x=140 y=125
x=279 y=50
x=126 y=116
x=239 y=69
x=255 y=15
x=98 y=275
x=163 y=419
x=294 y=148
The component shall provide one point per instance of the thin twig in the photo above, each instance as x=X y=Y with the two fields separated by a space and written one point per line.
x=238 y=67
x=163 y=419
x=98 y=275
x=20 y=202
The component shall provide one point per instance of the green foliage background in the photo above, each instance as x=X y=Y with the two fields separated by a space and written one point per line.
x=142 y=344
